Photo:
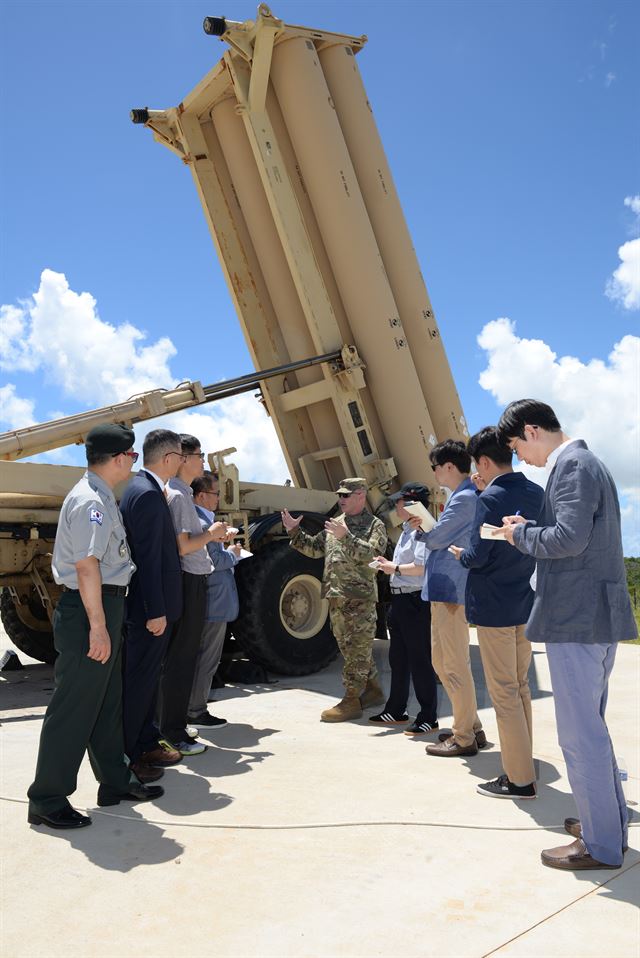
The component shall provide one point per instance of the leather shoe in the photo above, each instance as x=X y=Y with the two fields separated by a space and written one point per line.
x=481 y=738
x=146 y=773
x=573 y=827
x=162 y=756
x=63 y=818
x=450 y=748
x=135 y=793
x=573 y=857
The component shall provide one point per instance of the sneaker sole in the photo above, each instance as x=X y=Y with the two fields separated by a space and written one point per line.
x=517 y=798
x=186 y=754
x=211 y=728
x=431 y=731
x=383 y=724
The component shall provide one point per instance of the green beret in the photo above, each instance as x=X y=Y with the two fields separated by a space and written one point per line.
x=347 y=486
x=110 y=438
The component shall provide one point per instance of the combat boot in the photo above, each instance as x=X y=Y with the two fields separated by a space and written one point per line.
x=348 y=708
x=373 y=694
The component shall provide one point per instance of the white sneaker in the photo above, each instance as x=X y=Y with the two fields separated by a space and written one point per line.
x=188 y=748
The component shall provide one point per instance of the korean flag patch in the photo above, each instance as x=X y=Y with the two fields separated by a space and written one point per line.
x=96 y=516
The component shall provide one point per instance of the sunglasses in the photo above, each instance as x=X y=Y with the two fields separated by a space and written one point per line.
x=344 y=495
x=132 y=455
x=200 y=455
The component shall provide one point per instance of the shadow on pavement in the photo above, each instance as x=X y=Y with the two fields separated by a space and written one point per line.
x=120 y=845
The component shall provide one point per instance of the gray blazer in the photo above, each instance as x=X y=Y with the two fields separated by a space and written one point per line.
x=581 y=590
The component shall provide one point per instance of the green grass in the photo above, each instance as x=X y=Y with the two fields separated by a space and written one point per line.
x=633 y=581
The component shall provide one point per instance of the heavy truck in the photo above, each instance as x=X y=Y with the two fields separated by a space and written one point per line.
x=283 y=148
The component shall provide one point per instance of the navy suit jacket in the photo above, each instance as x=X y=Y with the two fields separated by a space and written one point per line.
x=581 y=589
x=156 y=586
x=498 y=593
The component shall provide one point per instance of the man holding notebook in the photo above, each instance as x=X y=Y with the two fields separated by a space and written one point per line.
x=498 y=600
x=444 y=587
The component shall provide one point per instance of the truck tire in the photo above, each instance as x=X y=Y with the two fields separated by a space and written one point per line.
x=37 y=645
x=283 y=622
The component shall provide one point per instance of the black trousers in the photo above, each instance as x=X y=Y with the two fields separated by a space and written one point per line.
x=410 y=657
x=180 y=661
x=143 y=654
x=85 y=711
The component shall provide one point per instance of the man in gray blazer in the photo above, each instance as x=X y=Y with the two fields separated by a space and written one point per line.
x=581 y=611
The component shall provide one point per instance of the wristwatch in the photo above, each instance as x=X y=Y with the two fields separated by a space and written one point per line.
x=398 y=570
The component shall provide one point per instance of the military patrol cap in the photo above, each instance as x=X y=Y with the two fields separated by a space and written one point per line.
x=413 y=491
x=109 y=439
x=347 y=486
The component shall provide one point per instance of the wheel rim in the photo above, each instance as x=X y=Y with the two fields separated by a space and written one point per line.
x=303 y=611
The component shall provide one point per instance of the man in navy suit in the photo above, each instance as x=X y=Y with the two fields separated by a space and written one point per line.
x=498 y=601
x=581 y=611
x=154 y=602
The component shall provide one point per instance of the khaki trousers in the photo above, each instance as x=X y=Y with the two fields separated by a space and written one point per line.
x=450 y=659
x=506 y=655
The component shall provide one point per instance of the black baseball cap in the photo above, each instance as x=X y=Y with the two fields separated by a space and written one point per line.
x=413 y=491
x=109 y=439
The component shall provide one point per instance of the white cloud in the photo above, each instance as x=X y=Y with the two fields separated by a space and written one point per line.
x=609 y=79
x=624 y=286
x=239 y=421
x=633 y=202
x=597 y=401
x=15 y=412
x=59 y=334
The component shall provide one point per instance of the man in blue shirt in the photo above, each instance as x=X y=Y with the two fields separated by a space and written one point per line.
x=498 y=601
x=444 y=587
x=222 y=604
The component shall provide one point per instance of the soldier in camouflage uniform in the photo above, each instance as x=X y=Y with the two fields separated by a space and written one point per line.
x=349 y=543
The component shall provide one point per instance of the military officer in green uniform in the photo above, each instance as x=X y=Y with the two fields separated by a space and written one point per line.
x=349 y=543
x=91 y=560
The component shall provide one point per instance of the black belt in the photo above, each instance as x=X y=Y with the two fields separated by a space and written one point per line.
x=106 y=589
x=403 y=590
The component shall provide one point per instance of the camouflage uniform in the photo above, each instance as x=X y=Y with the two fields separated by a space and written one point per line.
x=350 y=586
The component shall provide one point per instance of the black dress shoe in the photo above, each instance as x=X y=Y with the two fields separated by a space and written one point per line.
x=63 y=818
x=135 y=793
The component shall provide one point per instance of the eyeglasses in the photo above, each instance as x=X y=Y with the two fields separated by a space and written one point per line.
x=132 y=455
x=200 y=455
x=176 y=454
x=344 y=495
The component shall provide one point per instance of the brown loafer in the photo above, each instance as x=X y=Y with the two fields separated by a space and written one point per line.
x=481 y=738
x=163 y=756
x=450 y=748
x=146 y=773
x=573 y=857
x=573 y=827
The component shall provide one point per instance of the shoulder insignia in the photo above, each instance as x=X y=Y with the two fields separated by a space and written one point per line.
x=96 y=516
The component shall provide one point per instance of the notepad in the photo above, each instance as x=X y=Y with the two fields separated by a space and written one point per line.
x=427 y=521
x=487 y=532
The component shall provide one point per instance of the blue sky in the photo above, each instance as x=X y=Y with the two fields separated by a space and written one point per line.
x=511 y=129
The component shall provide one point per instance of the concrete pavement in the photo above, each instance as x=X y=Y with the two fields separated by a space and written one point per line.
x=290 y=837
